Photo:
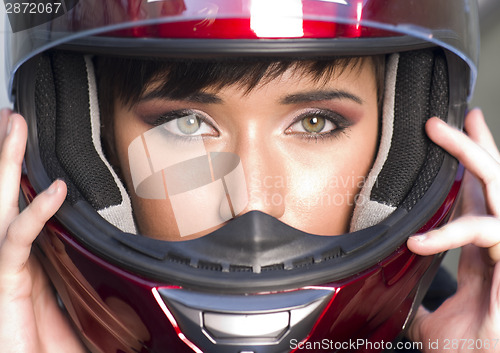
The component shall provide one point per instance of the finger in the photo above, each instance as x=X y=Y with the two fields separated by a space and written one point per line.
x=471 y=197
x=471 y=271
x=476 y=230
x=16 y=247
x=478 y=131
x=494 y=308
x=11 y=158
x=475 y=159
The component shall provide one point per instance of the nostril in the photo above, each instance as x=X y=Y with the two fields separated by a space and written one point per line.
x=272 y=204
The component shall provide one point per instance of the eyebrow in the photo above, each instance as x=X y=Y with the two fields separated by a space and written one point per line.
x=317 y=96
x=197 y=97
x=304 y=97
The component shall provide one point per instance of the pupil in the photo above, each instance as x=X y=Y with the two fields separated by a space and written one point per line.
x=313 y=124
x=188 y=125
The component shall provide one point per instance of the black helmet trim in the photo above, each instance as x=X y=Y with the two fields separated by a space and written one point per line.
x=214 y=48
x=191 y=265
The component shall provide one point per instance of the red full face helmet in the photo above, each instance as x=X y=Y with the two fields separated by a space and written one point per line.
x=247 y=282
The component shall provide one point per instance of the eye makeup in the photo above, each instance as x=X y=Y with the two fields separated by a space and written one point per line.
x=328 y=123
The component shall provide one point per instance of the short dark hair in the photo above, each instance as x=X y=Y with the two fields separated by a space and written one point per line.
x=125 y=79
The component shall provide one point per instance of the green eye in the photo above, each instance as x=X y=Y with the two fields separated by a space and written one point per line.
x=188 y=124
x=313 y=124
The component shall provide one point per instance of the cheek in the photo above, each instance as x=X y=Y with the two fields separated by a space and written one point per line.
x=321 y=200
x=152 y=216
x=322 y=192
x=155 y=218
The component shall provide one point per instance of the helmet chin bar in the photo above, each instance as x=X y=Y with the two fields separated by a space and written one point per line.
x=263 y=323
x=256 y=242
x=282 y=321
x=365 y=308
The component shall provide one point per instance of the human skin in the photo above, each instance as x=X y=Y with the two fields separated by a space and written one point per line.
x=305 y=178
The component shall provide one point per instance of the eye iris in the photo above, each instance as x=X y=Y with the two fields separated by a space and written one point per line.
x=313 y=124
x=189 y=124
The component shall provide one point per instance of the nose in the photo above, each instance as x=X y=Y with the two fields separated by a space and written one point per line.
x=264 y=176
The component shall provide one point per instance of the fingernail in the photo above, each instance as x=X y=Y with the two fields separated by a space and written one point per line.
x=53 y=188
x=440 y=121
x=9 y=124
x=419 y=237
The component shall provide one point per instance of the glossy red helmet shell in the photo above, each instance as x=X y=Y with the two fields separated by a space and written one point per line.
x=354 y=292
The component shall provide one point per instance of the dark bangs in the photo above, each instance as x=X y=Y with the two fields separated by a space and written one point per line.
x=127 y=79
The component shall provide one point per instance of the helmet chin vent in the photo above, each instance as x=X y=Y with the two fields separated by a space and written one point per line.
x=332 y=254
x=212 y=266
x=178 y=259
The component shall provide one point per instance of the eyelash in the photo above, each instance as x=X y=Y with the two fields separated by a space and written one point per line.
x=177 y=114
x=324 y=137
x=342 y=124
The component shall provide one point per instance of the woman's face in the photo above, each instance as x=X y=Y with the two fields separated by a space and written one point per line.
x=295 y=148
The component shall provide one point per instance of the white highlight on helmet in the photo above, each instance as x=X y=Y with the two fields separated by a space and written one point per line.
x=341 y=2
x=277 y=18
x=359 y=13
x=204 y=189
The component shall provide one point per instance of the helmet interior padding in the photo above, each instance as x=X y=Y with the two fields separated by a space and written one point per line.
x=416 y=88
x=69 y=136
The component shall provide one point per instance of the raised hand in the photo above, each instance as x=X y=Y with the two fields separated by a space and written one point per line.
x=30 y=320
x=470 y=320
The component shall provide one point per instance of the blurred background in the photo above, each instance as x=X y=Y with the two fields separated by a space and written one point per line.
x=487 y=94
